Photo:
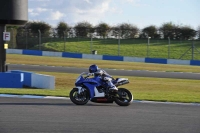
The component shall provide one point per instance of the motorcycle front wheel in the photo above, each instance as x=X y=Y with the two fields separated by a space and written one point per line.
x=123 y=97
x=79 y=99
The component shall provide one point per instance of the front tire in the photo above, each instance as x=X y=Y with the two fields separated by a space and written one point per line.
x=79 y=99
x=124 y=97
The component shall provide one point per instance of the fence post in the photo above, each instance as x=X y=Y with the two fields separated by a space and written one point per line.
x=64 y=41
x=148 y=46
x=26 y=39
x=39 y=39
x=192 y=49
x=168 y=47
x=91 y=43
x=12 y=38
x=119 y=35
x=78 y=42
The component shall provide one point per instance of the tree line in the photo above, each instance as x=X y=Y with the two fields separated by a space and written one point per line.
x=104 y=30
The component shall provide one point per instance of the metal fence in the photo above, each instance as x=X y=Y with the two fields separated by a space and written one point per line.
x=132 y=47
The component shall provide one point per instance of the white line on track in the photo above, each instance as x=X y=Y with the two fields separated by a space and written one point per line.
x=67 y=98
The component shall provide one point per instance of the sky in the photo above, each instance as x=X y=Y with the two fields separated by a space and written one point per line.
x=141 y=13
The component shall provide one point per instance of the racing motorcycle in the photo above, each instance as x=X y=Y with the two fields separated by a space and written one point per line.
x=95 y=90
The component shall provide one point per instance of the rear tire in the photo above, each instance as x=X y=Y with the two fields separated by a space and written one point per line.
x=79 y=99
x=124 y=97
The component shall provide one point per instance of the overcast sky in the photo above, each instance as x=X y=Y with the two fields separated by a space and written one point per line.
x=138 y=12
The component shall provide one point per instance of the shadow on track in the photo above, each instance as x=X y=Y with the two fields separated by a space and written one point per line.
x=56 y=104
x=38 y=104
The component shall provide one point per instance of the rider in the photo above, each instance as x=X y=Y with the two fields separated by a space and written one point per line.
x=94 y=70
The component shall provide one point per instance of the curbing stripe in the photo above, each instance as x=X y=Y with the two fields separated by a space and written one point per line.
x=52 y=97
x=173 y=103
x=8 y=95
x=66 y=98
x=31 y=96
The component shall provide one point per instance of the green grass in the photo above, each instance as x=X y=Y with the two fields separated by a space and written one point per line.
x=127 y=47
x=155 y=89
x=85 y=63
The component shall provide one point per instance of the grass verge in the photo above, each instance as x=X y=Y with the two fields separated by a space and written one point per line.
x=85 y=63
x=155 y=89
x=127 y=47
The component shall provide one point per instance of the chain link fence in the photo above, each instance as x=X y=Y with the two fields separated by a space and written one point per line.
x=132 y=47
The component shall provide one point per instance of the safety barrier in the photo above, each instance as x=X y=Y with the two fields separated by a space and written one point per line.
x=21 y=79
x=11 y=80
x=103 y=57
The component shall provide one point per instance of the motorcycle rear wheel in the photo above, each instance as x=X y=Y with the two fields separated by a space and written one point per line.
x=79 y=99
x=124 y=97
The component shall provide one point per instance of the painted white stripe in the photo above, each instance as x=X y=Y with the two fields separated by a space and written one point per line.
x=52 y=97
x=91 y=56
x=54 y=54
x=13 y=51
x=31 y=96
x=134 y=59
x=178 y=62
x=175 y=103
x=8 y=95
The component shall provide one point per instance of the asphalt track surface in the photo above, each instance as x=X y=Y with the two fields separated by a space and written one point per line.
x=139 y=73
x=22 y=115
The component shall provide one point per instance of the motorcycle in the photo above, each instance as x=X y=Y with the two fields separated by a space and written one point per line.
x=95 y=90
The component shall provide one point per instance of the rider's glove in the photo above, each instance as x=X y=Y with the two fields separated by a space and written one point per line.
x=107 y=78
x=90 y=74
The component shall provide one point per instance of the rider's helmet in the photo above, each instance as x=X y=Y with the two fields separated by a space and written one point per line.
x=93 y=68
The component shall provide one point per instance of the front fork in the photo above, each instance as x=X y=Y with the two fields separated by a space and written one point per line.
x=80 y=89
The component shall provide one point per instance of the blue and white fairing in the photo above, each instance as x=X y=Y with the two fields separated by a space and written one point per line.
x=91 y=84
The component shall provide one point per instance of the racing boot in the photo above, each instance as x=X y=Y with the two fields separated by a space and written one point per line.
x=113 y=89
